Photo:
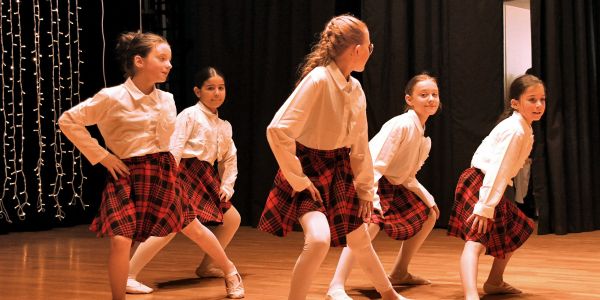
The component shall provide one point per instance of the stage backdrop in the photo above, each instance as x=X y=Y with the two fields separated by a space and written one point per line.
x=567 y=168
x=260 y=45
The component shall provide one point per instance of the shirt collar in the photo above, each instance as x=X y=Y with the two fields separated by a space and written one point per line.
x=415 y=118
x=338 y=77
x=136 y=93
x=207 y=111
x=522 y=120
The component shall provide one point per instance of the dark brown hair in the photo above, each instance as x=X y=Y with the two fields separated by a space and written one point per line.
x=204 y=74
x=130 y=44
x=517 y=88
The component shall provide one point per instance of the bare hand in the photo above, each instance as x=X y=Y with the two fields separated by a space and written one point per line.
x=314 y=192
x=115 y=166
x=436 y=211
x=223 y=196
x=481 y=224
x=365 y=209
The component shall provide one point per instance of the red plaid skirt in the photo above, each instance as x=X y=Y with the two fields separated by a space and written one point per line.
x=403 y=212
x=509 y=230
x=200 y=185
x=145 y=203
x=330 y=172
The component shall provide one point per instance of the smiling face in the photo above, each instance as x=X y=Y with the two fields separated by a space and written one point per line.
x=531 y=103
x=424 y=99
x=212 y=93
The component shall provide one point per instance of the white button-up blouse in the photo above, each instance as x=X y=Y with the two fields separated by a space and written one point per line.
x=131 y=122
x=324 y=112
x=202 y=134
x=399 y=150
x=500 y=157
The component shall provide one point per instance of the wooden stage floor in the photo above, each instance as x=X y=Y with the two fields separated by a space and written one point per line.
x=70 y=263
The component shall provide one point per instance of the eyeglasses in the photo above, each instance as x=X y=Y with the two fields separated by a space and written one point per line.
x=371 y=47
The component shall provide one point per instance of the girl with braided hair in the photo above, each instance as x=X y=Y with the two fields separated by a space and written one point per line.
x=319 y=138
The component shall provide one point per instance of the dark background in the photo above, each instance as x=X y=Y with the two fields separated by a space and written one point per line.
x=259 y=45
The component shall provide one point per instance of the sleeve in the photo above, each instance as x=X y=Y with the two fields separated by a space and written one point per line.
x=383 y=149
x=416 y=187
x=183 y=130
x=73 y=121
x=498 y=176
x=228 y=165
x=361 y=162
x=412 y=183
x=287 y=125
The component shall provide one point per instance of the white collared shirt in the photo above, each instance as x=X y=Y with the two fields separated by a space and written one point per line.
x=324 y=112
x=500 y=156
x=131 y=123
x=399 y=150
x=201 y=134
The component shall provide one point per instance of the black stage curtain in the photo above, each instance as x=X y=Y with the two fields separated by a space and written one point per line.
x=258 y=45
x=459 y=42
x=566 y=172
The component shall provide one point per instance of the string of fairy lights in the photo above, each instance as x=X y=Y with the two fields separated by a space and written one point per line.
x=40 y=78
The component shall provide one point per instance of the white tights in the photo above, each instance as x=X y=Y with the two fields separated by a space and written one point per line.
x=197 y=233
x=316 y=245
x=400 y=268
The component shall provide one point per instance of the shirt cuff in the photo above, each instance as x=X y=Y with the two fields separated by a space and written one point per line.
x=484 y=210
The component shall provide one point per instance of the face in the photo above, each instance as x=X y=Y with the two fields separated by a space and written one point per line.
x=425 y=98
x=212 y=92
x=156 y=65
x=363 y=52
x=531 y=104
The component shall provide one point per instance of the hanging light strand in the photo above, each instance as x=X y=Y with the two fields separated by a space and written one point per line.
x=5 y=166
x=37 y=60
x=56 y=107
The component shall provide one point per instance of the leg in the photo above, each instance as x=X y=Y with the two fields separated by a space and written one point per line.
x=359 y=242
x=146 y=251
x=495 y=283
x=469 y=261
x=118 y=265
x=207 y=241
x=399 y=274
x=142 y=255
x=345 y=264
x=224 y=233
x=316 y=245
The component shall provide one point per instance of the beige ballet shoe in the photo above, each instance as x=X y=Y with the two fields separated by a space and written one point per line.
x=135 y=287
x=503 y=288
x=234 y=286
x=209 y=271
x=409 y=279
x=337 y=294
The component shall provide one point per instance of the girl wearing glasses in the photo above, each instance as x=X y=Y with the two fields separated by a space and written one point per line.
x=319 y=139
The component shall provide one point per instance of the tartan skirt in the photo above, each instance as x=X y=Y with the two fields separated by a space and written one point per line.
x=403 y=213
x=331 y=173
x=510 y=227
x=145 y=203
x=200 y=187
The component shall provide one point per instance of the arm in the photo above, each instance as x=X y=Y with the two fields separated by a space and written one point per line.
x=383 y=147
x=361 y=162
x=73 y=121
x=228 y=166
x=287 y=126
x=183 y=130
x=497 y=178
